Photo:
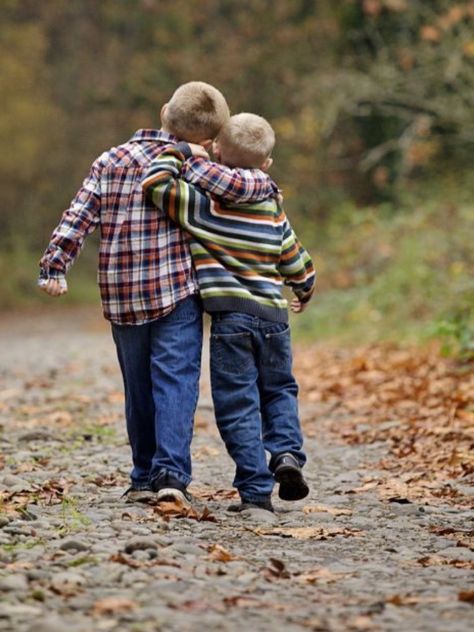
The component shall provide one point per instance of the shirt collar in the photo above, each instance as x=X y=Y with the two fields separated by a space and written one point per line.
x=156 y=135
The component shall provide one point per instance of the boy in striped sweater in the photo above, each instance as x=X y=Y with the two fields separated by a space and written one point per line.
x=243 y=253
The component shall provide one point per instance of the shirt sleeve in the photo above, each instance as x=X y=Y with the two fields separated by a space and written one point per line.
x=232 y=185
x=178 y=199
x=296 y=266
x=78 y=221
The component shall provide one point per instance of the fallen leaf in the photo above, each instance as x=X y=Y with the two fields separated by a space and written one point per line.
x=320 y=576
x=307 y=533
x=113 y=605
x=220 y=554
x=177 y=509
x=334 y=511
x=275 y=569
x=466 y=595
x=241 y=601
x=205 y=451
x=215 y=494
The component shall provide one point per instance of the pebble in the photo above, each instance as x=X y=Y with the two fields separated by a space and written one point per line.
x=38 y=435
x=67 y=578
x=13 y=583
x=256 y=515
x=21 y=611
x=74 y=545
x=51 y=624
x=141 y=543
x=15 y=484
x=458 y=553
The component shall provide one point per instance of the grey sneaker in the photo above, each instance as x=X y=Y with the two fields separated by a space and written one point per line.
x=242 y=506
x=138 y=494
x=287 y=472
x=168 y=488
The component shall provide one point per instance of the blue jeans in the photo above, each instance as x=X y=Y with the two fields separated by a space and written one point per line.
x=255 y=397
x=161 y=364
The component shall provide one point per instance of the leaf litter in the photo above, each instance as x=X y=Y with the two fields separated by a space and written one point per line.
x=416 y=401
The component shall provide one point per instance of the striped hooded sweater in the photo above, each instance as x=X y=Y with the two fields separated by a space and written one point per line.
x=242 y=253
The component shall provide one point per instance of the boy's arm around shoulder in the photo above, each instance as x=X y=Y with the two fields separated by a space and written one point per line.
x=232 y=185
x=78 y=221
x=296 y=266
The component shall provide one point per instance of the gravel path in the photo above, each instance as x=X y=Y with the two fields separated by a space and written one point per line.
x=75 y=557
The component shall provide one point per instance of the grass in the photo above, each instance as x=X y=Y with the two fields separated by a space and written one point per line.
x=401 y=276
x=73 y=519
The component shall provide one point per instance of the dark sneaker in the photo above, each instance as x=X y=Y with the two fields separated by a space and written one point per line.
x=264 y=504
x=287 y=472
x=138 y=494
x=168 y=488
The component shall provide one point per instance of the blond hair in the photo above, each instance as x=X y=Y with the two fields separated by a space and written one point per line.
x=196 y=112
x=246 y=140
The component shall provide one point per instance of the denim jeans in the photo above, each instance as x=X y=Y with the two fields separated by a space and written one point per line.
x=161 y=364
x=255 y=397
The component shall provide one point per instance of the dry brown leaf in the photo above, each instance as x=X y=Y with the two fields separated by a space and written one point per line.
x=275 y=569
x=466 y=595
x=220 y=554
x=307 y=533
x=334 y=511
x=215 y=494
x=363 y=488
x=320 y=576
x=113 y=605
x=205 y=451
x=176 y=509
x=241 y=601
x=436 y=560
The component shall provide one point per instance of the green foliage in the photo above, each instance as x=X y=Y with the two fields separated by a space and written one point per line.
x=403 y=276
x=456 y=326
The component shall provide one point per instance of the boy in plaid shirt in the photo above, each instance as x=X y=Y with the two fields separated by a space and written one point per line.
x=147 y=283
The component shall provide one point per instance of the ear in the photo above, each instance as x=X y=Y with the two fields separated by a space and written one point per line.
x=267 y=164
x=216 y=151
x=163 y=113
x=207 y=144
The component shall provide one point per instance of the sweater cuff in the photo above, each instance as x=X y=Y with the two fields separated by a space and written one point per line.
x=184 y=148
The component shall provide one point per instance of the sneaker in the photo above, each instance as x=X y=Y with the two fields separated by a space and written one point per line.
x=287 y=472
x=138 y=494
x=168 y=488
x=242 y=506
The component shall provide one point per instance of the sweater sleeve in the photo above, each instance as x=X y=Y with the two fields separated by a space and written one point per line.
x=296 y=266
x=178 y=199
x=77 y=222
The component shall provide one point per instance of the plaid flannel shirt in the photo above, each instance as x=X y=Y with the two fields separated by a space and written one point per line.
x=145 y=266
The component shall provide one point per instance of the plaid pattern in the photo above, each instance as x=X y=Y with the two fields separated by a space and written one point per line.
x=232 y=185
x=145 y=266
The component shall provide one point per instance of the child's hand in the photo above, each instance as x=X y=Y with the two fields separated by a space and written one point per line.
x=198 y=150
x=54 y=287
x=297 y=306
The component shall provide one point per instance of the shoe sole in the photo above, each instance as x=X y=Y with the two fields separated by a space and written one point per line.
x=170 y=494
x=292 y=484
x=139 y=496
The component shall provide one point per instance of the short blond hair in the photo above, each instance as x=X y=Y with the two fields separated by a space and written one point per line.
x=196 y=112
x=246 y=140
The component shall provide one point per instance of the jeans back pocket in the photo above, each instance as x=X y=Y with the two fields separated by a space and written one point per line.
x=232 y=352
